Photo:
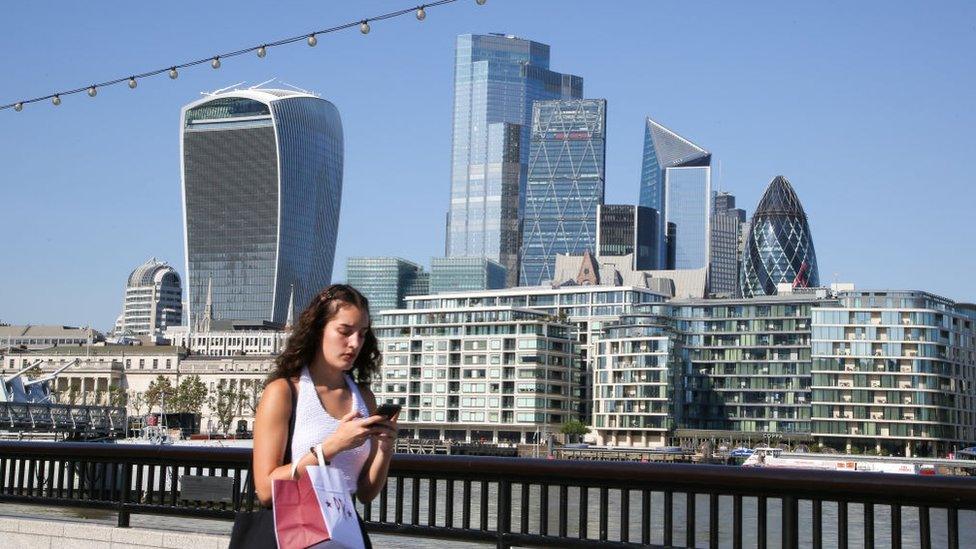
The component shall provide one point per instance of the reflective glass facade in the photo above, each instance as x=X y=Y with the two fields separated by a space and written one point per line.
x=565 y=184
x=461 y=274
x=385 y=281
x=664 y=149
x=723 y=269
x=496 y=79
x=262 y=184
x=688 y=205
x=779 y=246
x=623 y=229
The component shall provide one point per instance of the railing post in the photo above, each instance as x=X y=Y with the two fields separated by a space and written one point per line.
x=791 y=537
x=504 y=513
x=124 y=499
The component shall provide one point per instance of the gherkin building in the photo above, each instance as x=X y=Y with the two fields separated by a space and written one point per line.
x=779 y=246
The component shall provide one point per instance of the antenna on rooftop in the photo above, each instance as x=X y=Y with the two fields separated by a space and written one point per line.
x=296 y=88
x=215 y=92
x=268 y=81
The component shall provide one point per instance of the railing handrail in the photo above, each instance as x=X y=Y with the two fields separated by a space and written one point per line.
x=948 y=491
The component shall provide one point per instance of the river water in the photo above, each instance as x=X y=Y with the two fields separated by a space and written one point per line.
x=882 y=522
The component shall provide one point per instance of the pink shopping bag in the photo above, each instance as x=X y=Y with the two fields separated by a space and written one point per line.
x=298 y=517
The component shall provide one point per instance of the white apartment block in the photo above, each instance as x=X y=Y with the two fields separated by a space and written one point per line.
x=634 y=381
x=473 y=373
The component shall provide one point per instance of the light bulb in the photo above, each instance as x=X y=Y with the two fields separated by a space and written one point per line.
x=312 y=40
x=56 y=100
x=92 y=91
x=18 y=107
x=132 y=82
x=364 y=27
x=173 y=73
x=421 y=14
x=262 y=51
x=215 y=63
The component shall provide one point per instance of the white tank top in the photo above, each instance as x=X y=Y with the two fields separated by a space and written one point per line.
x=313 y=424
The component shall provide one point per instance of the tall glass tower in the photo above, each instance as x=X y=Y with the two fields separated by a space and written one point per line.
x=688 y=204
x=779 y=246
x=665 y=150
x=496 y=79
x=262 y=183
x=565 y=184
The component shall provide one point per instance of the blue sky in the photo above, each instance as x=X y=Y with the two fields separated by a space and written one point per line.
x=867 y=107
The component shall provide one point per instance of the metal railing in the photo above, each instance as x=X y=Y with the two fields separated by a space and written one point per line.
x=74 y=420
x=508 y=501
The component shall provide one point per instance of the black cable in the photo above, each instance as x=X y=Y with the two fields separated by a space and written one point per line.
x=235 y=53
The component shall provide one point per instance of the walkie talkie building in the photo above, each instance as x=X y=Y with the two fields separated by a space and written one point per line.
x=262 y=184
x=779 y=247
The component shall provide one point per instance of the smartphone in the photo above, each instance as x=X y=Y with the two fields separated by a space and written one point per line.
x=388 y=410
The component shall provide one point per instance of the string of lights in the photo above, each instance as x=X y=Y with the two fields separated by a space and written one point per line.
x=310 y=38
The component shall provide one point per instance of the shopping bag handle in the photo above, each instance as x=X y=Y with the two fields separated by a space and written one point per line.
x=318 y=453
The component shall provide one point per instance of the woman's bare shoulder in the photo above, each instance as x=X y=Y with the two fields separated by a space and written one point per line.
x=276 y=394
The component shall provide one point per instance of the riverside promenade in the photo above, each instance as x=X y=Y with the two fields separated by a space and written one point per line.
x=507 y=502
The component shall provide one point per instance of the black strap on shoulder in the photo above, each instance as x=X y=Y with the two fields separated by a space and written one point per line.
x=291 y=420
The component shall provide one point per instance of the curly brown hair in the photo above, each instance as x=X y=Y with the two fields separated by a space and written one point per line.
x=306 y=336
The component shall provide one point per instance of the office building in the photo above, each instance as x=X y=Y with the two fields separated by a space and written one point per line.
x=688 y=205
x=725 y=245
x=779 y=245
x=623 y=229
x=665 y=150
x=231 y=338
x=894 y=372
x=493 y=373
x=385 y=281
x=262 y=184
x=565 y=186
x=460 y=274
x=153 y=300
x=496 y=79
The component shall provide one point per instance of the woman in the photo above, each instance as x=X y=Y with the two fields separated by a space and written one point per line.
x=329 y=360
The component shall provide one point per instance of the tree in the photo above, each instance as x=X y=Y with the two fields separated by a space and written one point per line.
x=190 y=395
x=252 y=390
x=136 y=403
x=117 y=396
x=226 y=403
x=159 y=390
x=574 y=428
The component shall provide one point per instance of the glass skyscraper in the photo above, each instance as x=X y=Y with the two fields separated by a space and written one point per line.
x=262 y=184
x=385 y=281
x=623 y=229
x=688 y=204
x=726 y=227
x=496 y=79
x=461 y=274
x=565 y=184
x=779 y=246
x=665 y=150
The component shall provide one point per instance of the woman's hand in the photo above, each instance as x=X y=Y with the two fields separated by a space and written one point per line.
x=386 y=433
x=352 y=432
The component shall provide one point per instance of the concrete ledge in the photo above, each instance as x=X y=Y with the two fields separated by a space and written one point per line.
x=24 y=533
